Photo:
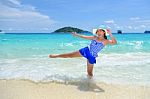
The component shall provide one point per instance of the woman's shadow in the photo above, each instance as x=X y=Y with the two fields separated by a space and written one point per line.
x=87 y=84
x=83 y=84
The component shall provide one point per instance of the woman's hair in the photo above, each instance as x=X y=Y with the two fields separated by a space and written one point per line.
x=105 y=36
x=104 y=33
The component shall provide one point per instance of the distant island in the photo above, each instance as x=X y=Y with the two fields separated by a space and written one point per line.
x=1 y=32
x=70 y=29
x=119 y=31
x=147 y=32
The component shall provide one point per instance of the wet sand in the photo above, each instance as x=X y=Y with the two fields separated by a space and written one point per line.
x=25 y=89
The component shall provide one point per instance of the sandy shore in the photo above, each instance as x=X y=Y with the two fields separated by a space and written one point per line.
x=24 y=89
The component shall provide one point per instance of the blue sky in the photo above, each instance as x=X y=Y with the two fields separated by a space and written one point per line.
x=49 y=15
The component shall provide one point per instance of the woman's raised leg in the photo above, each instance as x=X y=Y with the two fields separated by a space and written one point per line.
x=66 y=55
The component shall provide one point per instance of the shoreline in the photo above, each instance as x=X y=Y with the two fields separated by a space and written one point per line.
x=80 y=81
x=26 y=89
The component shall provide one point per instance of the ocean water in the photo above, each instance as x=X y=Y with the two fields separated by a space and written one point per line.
x=25 y=56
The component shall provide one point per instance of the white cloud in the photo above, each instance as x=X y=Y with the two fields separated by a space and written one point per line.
x=118 y=27
x=109 y=21
x=129 y=27
x=134 y=18
x=135 y=28
x=143 y=26
x=16 y=2
x=143 y=21
x=15 y=16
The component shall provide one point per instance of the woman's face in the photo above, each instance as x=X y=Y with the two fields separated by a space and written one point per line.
x=100 y=33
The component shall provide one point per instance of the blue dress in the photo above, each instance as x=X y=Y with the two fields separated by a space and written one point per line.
x=91 y=52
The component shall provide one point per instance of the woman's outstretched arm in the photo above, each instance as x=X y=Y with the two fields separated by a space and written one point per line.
x=83 y=36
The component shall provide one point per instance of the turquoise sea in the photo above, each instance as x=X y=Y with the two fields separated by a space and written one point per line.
x=25 y=56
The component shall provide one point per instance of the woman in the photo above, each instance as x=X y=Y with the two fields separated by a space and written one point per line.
x=90 y=52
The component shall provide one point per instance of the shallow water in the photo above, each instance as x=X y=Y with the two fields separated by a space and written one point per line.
x=25 y=56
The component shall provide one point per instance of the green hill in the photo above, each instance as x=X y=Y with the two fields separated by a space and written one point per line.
x=70 y=29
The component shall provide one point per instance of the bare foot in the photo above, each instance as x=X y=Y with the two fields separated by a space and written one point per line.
x=53 y=56
x=89 y=76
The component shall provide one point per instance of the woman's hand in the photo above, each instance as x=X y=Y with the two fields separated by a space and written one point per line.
x=113 y=40
x=74 y=33
x=83 y=36
x=109 y=31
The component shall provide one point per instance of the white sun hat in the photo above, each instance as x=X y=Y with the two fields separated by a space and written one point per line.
x=94 y=31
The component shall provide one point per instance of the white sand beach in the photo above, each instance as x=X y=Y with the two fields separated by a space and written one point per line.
x=25 y=89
